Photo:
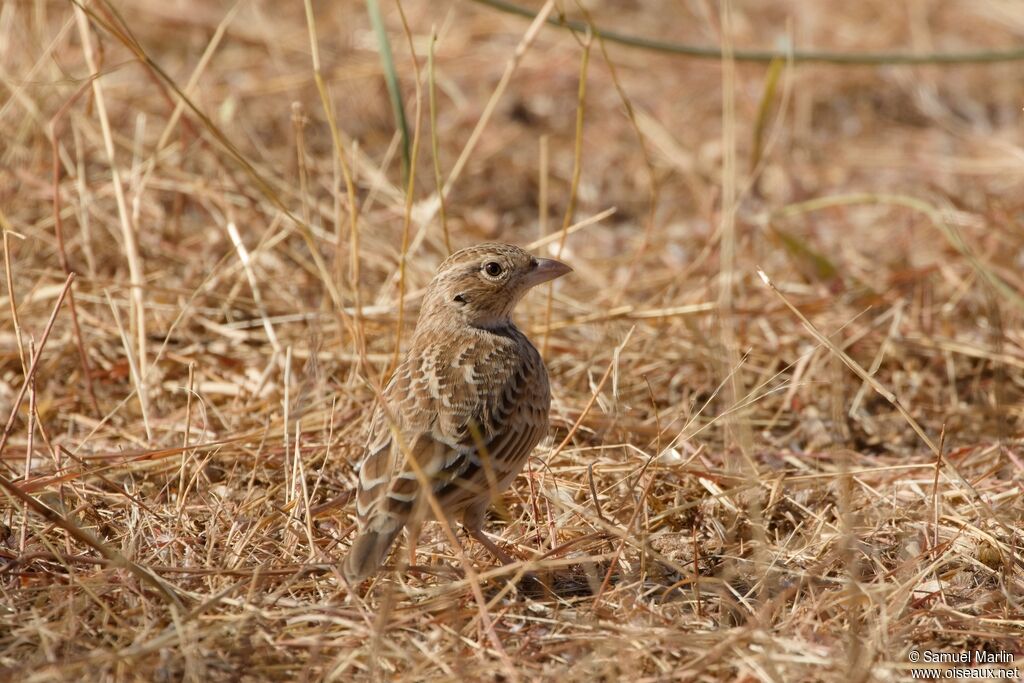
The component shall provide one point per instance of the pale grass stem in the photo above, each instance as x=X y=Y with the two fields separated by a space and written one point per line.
x=435 y=147
x=410 y=190
x=574 y=184
x=137 y=309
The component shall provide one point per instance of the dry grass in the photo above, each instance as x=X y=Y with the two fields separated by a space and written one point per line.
x=729 y=492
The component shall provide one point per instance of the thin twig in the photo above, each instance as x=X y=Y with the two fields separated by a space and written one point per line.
x=16 y=404
x=58 y=229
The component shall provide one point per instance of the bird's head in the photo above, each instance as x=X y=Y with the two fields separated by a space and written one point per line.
x=481 y=285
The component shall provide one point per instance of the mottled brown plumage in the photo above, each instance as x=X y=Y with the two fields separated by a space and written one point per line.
x=468 y=403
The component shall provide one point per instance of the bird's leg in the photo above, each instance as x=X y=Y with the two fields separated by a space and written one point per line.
x=412 y=531
x=530 y=581
x=491 y=546
x=473 y=523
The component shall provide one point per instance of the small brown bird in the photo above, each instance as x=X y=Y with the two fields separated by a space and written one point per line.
x=465 y=407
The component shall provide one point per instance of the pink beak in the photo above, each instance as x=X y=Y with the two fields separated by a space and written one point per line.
x=545 y=270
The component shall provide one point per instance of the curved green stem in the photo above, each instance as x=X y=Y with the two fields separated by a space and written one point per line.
x=804 y=56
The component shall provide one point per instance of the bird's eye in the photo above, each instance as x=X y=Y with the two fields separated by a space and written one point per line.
x=493 y=268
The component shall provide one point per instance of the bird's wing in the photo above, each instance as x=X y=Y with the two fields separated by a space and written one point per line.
x=397 y=427
x=464 y=418
x=404 y=415
x=495 y=438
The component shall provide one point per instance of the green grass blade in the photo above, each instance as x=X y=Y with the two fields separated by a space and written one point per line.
x=391 y=78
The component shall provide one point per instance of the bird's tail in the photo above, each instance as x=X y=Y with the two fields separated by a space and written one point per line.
x=369 y=551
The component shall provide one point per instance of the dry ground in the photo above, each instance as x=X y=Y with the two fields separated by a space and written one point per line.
x=724 y=495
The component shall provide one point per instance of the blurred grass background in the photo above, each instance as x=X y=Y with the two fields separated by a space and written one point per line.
x=723 y=497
